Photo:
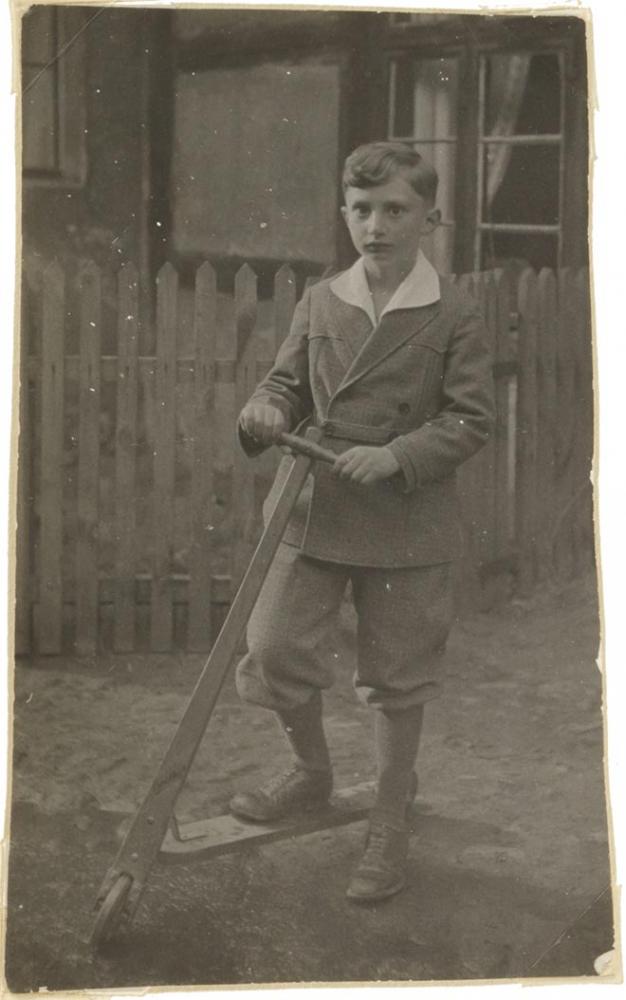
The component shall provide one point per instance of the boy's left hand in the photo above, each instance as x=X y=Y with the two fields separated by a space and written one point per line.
x=366 y=464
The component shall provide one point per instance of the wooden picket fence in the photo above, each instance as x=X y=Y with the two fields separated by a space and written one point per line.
x=137 y=511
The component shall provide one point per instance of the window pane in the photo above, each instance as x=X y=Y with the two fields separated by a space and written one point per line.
x=424 y=106
x=521 y=184
x=442 y=156
x=522 y=94
x=519 y=249
x=401 y=98
x=424 y=98
x=39 y=144
x=38 y=36
x=53 y=99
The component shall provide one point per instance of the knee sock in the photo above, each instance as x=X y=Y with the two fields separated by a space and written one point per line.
x=397 y=741
x=304 y=729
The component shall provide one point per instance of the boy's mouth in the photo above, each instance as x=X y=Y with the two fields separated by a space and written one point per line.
x=377 y=245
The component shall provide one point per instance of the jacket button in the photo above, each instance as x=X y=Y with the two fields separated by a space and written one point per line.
x=404 y=408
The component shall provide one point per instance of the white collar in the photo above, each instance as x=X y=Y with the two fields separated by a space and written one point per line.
x=419 y=288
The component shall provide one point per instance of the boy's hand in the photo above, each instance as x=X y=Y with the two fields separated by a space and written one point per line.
x=263 y=422
x=366 y=465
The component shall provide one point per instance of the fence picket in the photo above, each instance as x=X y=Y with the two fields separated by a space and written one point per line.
x=479 y=279
x=590 y=409
x=162 y=617
x=468 y=481
x=125 y=459
x=527 y=430
x=547 y=416
x=565 y=437
x=25 y=486
x=88 y=463
x=284 y=302
x=504 y=473
x=49 y=618
x=486 y=458
x=244 y=473
x=199 y=628
x=583 y=434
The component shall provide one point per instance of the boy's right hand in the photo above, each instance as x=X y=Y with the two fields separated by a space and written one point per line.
x=263 y=422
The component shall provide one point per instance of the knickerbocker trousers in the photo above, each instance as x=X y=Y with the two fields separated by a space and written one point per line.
x=404 y=617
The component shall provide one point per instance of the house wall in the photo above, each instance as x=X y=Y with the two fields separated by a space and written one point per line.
x=101 y=214
x=192 y=146
x=255 y=161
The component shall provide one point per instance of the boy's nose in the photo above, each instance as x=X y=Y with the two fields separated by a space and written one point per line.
x=375 y=224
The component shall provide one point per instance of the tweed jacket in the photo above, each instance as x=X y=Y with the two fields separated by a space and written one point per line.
x=420 y=381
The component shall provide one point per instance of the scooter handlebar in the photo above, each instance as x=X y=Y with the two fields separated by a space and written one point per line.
x=302 y=446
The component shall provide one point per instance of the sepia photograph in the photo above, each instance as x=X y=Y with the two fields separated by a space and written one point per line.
x=306 y=613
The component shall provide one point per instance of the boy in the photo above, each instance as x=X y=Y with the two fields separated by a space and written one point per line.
x=392 y=364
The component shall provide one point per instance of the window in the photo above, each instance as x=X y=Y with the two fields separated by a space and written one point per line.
x=423 y=110
x=520 y=160
x=40 y=89
x=53 y=133
x=516 y=103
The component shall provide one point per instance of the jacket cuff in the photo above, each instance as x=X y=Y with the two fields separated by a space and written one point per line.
x=406 y=466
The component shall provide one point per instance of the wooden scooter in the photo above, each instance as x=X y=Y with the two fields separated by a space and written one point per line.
x=154 y=833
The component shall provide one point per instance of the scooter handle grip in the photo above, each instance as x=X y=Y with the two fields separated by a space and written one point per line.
x=302 y=446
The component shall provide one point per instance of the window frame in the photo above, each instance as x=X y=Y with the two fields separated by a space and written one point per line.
x=458 y=51
x=472 y=38
x=483 y=140
x=70 y=106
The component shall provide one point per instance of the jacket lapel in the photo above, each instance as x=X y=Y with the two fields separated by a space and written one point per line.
x=394 y=329
x=351 y=327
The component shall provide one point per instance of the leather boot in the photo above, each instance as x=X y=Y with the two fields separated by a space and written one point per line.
x=306 y=785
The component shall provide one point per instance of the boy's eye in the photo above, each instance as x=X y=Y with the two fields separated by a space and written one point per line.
x=395 y=211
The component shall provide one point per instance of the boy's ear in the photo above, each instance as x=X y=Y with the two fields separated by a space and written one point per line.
x=432 y=220
x=344 y=212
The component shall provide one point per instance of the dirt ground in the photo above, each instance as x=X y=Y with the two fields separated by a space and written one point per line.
x=509 y=858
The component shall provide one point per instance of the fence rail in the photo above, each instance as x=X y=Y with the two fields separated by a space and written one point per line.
x=137 y=512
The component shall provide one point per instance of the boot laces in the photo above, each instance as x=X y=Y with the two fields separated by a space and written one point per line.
x=281 y=783
x=284 y=785
x=384 y=845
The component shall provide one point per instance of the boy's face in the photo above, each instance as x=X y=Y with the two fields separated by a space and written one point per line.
x=387 y=222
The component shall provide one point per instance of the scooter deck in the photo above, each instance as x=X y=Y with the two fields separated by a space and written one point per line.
x=225 y=834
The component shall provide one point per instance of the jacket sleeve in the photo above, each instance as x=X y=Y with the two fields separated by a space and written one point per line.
x=465 y=421
x=286 y=386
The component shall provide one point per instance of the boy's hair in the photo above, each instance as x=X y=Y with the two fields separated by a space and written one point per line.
x=378 y=162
